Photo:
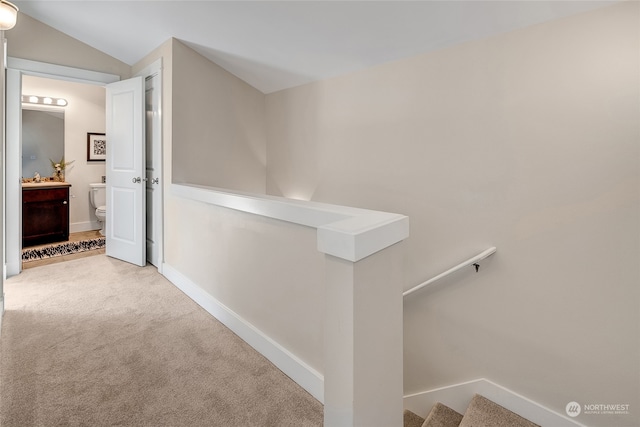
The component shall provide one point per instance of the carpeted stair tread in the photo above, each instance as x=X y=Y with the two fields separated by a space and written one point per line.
x=412 y=419
x=442 y=416
x=482 y=412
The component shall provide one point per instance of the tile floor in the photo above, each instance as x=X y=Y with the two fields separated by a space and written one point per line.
x=73 y=237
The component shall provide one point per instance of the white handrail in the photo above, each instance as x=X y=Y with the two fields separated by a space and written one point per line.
x=467 y=263
x=344 y=232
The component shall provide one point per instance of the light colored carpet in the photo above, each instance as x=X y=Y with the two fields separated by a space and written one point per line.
x=411 y=419
x=442 y=416
x=99 y=342
x=483 y=412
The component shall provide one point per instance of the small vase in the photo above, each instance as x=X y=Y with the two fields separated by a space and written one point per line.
x=59 y=176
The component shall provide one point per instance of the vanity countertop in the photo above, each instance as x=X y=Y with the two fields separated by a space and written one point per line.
x=44 y=184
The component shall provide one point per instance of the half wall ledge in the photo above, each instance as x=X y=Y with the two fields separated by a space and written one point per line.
x=344 y=232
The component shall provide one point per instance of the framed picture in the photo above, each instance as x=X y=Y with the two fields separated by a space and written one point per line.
x=96 y=147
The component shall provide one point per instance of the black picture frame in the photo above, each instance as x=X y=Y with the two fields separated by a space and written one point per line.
x=96 y=147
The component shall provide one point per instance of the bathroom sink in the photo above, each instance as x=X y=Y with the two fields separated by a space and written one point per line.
x=45 y=184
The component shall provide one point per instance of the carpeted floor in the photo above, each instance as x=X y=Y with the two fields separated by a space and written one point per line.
x=99 y=342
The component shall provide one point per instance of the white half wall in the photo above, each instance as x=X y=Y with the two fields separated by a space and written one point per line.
x=268 y=275
x=273 y=278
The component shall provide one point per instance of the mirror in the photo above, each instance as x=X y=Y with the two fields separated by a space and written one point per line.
x=42 y=140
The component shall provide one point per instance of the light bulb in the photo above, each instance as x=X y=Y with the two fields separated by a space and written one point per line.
x=8 y=15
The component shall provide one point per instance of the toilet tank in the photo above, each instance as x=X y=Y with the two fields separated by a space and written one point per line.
x=98 y=194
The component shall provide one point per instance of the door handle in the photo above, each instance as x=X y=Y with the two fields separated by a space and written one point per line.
x=155 y=180
x=137 y=180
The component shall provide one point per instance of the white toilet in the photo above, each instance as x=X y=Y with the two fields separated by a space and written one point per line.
x=98 y=200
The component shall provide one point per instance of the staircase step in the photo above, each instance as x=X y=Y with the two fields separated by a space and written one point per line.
x=412 y=420
x=442 y=416
x=483 y=412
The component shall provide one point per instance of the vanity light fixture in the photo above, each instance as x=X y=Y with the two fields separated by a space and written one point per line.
x=44 y=100
x=8 y=15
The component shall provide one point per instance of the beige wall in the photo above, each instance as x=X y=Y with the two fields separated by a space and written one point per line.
x=84 y=113
x=31 y=39
x=218 y=125
x=528 y=141
x=213 y=134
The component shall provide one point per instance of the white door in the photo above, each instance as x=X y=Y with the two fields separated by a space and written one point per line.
x=125 y=169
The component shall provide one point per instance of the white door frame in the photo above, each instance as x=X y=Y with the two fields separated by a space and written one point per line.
x=16 y=68
x=155 y=69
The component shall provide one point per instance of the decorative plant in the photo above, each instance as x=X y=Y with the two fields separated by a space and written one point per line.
x=58 y=168
x=61 y=165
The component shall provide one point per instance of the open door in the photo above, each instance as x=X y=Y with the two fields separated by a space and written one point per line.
x=125 y=230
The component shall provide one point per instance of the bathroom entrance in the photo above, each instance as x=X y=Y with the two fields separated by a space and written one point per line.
x=79 y=110
x=18 y=68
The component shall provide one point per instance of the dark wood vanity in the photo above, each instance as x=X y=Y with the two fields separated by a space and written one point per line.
x=45 y=213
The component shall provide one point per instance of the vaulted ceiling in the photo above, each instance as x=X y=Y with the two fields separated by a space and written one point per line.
x=274 y=45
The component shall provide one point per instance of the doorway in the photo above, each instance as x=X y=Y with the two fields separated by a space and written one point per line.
x=43 y=146
x=17 y=68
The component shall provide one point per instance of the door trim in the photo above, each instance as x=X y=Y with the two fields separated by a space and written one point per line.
x=60 y=72
x=155 y=68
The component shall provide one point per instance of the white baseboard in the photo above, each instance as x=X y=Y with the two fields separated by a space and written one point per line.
x=458 y=396
x=307 y=377
x=13 y=267
x=78 y=227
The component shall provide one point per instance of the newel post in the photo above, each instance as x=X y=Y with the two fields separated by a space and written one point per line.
x=363 y=373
